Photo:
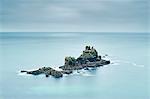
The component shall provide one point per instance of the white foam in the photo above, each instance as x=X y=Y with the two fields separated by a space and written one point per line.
x=137 y=65
x=86 y=74
x=118 y=62
x=132 y=63
x=57 y=68
x=81 y=73
x=114 y=61
x=115 y=64
x=23 y=74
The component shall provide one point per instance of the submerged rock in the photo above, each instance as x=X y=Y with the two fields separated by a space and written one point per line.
x=89 y=58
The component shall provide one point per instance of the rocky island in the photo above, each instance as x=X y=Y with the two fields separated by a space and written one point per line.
x=88 y=59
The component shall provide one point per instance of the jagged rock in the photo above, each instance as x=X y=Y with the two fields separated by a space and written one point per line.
x=71 y=61
x=56 y=74
x=47 y=71
x=67 y=71
x=22 y=71
x=89 y=58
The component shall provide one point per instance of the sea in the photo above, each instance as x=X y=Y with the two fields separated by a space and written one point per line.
x=126 y=77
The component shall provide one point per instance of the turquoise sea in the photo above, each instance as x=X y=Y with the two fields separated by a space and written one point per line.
x=126 y=77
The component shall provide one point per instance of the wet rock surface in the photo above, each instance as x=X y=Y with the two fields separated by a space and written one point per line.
x=88 y=59
x=47 y=71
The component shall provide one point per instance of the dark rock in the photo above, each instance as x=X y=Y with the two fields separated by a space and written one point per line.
x=36 y=72
x=89 y=58
x=47 y=71
x=67 y=71
x=23 y=71
x=47 y=75
x=56 y=74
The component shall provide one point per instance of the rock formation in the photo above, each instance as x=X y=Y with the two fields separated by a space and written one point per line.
x=89 y=58
x=47 y=71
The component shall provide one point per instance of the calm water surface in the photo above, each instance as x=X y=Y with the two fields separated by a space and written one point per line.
x=125 y=78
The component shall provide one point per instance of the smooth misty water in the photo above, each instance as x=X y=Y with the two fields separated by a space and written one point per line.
x=125 y=78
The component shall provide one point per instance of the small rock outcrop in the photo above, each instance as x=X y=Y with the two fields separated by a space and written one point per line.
x=88 y=59
x=47 y=71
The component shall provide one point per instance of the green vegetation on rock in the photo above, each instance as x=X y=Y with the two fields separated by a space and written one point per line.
x=71 y=61
x=89 y=53
x=89 y=58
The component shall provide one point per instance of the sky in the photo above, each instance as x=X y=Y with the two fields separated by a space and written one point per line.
x=74 y=16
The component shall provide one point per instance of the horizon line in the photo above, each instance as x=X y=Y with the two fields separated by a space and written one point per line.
x=72 y=32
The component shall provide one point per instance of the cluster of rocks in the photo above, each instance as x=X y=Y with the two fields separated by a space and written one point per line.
x=45 y=70
x=88 y=59
x=48 y=71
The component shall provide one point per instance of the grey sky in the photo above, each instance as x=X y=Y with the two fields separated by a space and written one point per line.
x=75 y=15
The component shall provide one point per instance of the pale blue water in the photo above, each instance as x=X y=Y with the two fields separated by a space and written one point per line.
x=126 y=78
